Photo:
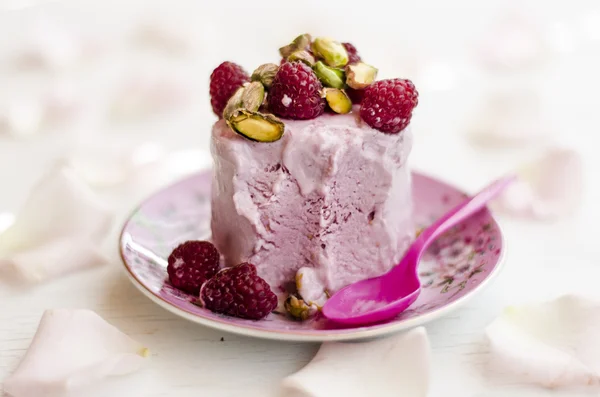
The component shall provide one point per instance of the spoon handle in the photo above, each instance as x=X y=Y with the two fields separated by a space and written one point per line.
x=461 y=212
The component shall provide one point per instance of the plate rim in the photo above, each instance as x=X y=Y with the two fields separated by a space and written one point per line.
x=351 y=334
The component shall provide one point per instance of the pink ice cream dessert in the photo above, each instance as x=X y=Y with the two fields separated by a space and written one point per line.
x=311 y=188
x=332 y=194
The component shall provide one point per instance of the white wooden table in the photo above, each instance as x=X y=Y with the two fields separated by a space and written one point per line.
x=544 y=259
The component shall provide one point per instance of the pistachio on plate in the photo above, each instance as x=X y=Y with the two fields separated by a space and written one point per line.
x=253 y=96
x=301 y=42
x=332 y=52
x=265 y=74
x=259 y=127
x=360 y=75
x=330 y=77
x=337 y=100
x=299 y=309
x=302 y=56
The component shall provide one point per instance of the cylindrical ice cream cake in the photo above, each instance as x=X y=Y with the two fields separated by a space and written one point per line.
x=331 y=197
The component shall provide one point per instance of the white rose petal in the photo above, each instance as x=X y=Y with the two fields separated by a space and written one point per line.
x=59 y=228
x=22 y=117
x=549 y=187
x=70 y=350
x=398 y=365
x=53 y=259
x=553 y=344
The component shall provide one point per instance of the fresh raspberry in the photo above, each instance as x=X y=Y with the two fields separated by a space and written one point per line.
x=353 y=56
x=224 y=82
x=238 y=291
x=191 y=264
x=296 y=93
x=356 y=96
x=387 y=104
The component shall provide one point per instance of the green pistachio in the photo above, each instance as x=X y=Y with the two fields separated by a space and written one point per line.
x=337 y=100
x=302 y=56
x=256 y=126
x=332 y=52
x=265 y=74
x=360 y=75
x=253 y=96
x=330 y=77
x=301 y=42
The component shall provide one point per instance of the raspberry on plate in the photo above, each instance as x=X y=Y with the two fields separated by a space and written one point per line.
x=224 y=82
x=191 y=264
x=238 y=291
x=353 y=56
x=296 y=93
x=387 y=105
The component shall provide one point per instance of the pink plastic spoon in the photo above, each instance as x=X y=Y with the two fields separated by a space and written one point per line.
x=384 y=297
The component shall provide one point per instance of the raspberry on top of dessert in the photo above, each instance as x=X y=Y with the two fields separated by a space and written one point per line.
x=311 y=185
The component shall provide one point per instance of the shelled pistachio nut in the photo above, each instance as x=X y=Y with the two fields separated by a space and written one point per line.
x=265 y=74
x=259 y=127
x=301 y=42
x=253 y=96
x=298 y=309
x=330 y=77
x=332 y=52
x=302 y=56
x=337 y=100
x=360 y=75
x=234 y=103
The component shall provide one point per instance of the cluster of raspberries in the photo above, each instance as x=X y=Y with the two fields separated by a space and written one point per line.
x=236 y=291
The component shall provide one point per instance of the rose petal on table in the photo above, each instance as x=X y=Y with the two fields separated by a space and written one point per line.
x=59 y=229
x=60 y=205
x=547 y=188
x=398 y=365
x=53 y=259
x=21 y=118
x=26 y=117
x=70 y=350
x=553 y=344
x=6 y=219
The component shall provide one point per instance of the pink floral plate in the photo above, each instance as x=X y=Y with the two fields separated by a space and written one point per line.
x=459 y=264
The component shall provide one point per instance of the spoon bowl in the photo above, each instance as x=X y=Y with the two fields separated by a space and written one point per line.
x=384 y=297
